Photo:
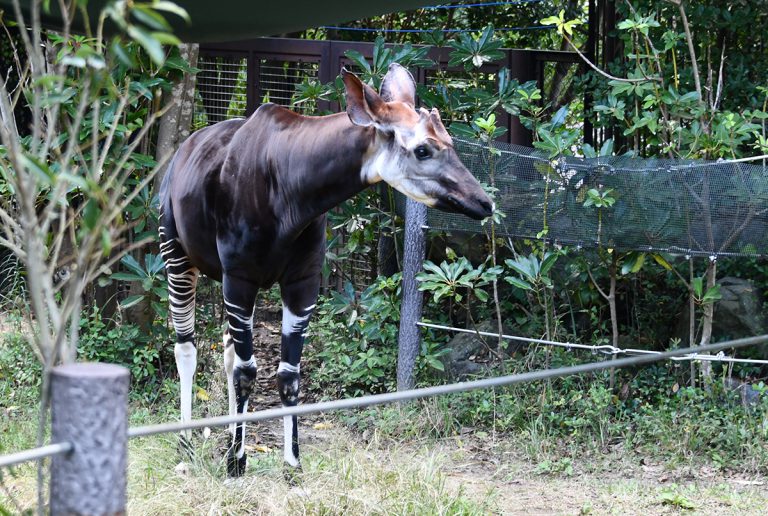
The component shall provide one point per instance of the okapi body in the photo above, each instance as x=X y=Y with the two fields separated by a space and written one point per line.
x=245 y=202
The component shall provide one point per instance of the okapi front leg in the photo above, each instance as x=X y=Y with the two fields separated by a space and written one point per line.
x=239 y=297
x=298 y=303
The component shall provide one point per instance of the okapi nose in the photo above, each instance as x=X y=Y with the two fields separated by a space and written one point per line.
x=486 y=205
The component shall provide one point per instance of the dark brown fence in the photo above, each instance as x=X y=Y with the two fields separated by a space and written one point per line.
x=237 y=77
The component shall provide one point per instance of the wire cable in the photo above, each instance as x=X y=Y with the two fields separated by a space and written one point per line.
x=607 y=349
x=35 y=454
x=439 y=390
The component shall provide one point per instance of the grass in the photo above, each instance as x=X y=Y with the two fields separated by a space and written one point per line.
x=346 y=471
x=568 y=447
x=336 y=479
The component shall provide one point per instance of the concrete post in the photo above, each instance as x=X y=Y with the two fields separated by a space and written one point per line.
x=410 y=310
x=89 y=408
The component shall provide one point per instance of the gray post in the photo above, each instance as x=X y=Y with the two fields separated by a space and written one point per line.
x=410 y=310
x=89 y=408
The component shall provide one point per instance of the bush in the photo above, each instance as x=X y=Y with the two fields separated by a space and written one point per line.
x=353 y=341
x=20 y=371
x=122 y=344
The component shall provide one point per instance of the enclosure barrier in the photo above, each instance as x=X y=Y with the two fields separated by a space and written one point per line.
x=89 y=413
x=606 y=349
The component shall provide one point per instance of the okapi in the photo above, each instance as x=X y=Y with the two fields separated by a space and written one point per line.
x=245 y=202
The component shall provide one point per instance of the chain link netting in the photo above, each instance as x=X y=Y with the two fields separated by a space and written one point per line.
x=677 y=206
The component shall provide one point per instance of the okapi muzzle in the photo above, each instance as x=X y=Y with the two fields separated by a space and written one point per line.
x=414 y=152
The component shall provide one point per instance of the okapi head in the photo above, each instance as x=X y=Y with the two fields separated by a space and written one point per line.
x=413 y=152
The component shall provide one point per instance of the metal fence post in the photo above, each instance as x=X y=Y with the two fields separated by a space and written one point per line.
x=410 y=311
x=89 y=408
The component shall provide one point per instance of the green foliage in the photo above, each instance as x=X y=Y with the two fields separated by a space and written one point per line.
x=152 y=278
x=353 y=341
x=20 y=370
x=456 y=279
x=121 y=344
x=474 y=52
x=531 y=272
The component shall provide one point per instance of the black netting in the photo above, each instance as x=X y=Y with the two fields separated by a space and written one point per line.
x=683 y=207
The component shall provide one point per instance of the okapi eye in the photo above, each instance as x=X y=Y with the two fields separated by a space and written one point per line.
x=422 y=152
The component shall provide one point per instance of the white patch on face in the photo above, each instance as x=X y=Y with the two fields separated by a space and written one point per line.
x=292 y=322
x=391 y=166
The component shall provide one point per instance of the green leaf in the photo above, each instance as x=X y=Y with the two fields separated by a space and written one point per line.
x=125 y=276
x=148 y=41
x=697 y=284
x=171 y=7
x=517 y=282
x=547 y=263
x=521 y=268
x=712 y=295
x=150 y=18
x=131 y=300
x=607 y=148
x=662 y=261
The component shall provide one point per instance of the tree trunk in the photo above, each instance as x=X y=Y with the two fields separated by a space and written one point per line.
x=708 y=318
x=613 y=269
x=174 y=127
x=176 y=124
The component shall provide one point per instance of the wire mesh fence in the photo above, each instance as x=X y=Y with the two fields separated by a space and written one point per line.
x=680 y=206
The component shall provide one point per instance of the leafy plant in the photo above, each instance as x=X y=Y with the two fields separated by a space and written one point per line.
x=151 y=276
x=353 y=341
x=456 y=279
x=123 y=344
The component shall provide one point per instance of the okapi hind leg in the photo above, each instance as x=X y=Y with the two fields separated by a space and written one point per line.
x=182 y=281
x=239 y=298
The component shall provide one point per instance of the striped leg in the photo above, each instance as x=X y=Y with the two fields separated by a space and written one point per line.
x=182 y=280
x=298 y=302
x=239 y=298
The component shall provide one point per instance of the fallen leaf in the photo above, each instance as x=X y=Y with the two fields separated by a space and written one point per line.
x=202 y=394
x=258 y=448
x=322 y=426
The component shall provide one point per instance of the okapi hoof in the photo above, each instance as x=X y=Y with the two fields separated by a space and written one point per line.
x=292 y=474
x=235 y=466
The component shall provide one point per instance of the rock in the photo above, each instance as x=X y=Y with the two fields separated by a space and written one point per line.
x=739 y=312
x=182 y=469
x=469 y=354
x=747 y=392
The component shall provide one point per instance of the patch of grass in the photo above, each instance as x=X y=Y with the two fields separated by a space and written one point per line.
x=339 y=478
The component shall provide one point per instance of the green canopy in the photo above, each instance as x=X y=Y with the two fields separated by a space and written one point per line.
x=231 y=20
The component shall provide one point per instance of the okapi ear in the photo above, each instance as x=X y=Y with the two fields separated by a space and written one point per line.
x=364 y=106
x=399 y=85
x=440 y=130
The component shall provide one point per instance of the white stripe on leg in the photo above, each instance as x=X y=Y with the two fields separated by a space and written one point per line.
x=186 y=363
x=288 y=441
x=229 y=368
x=241 y=450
